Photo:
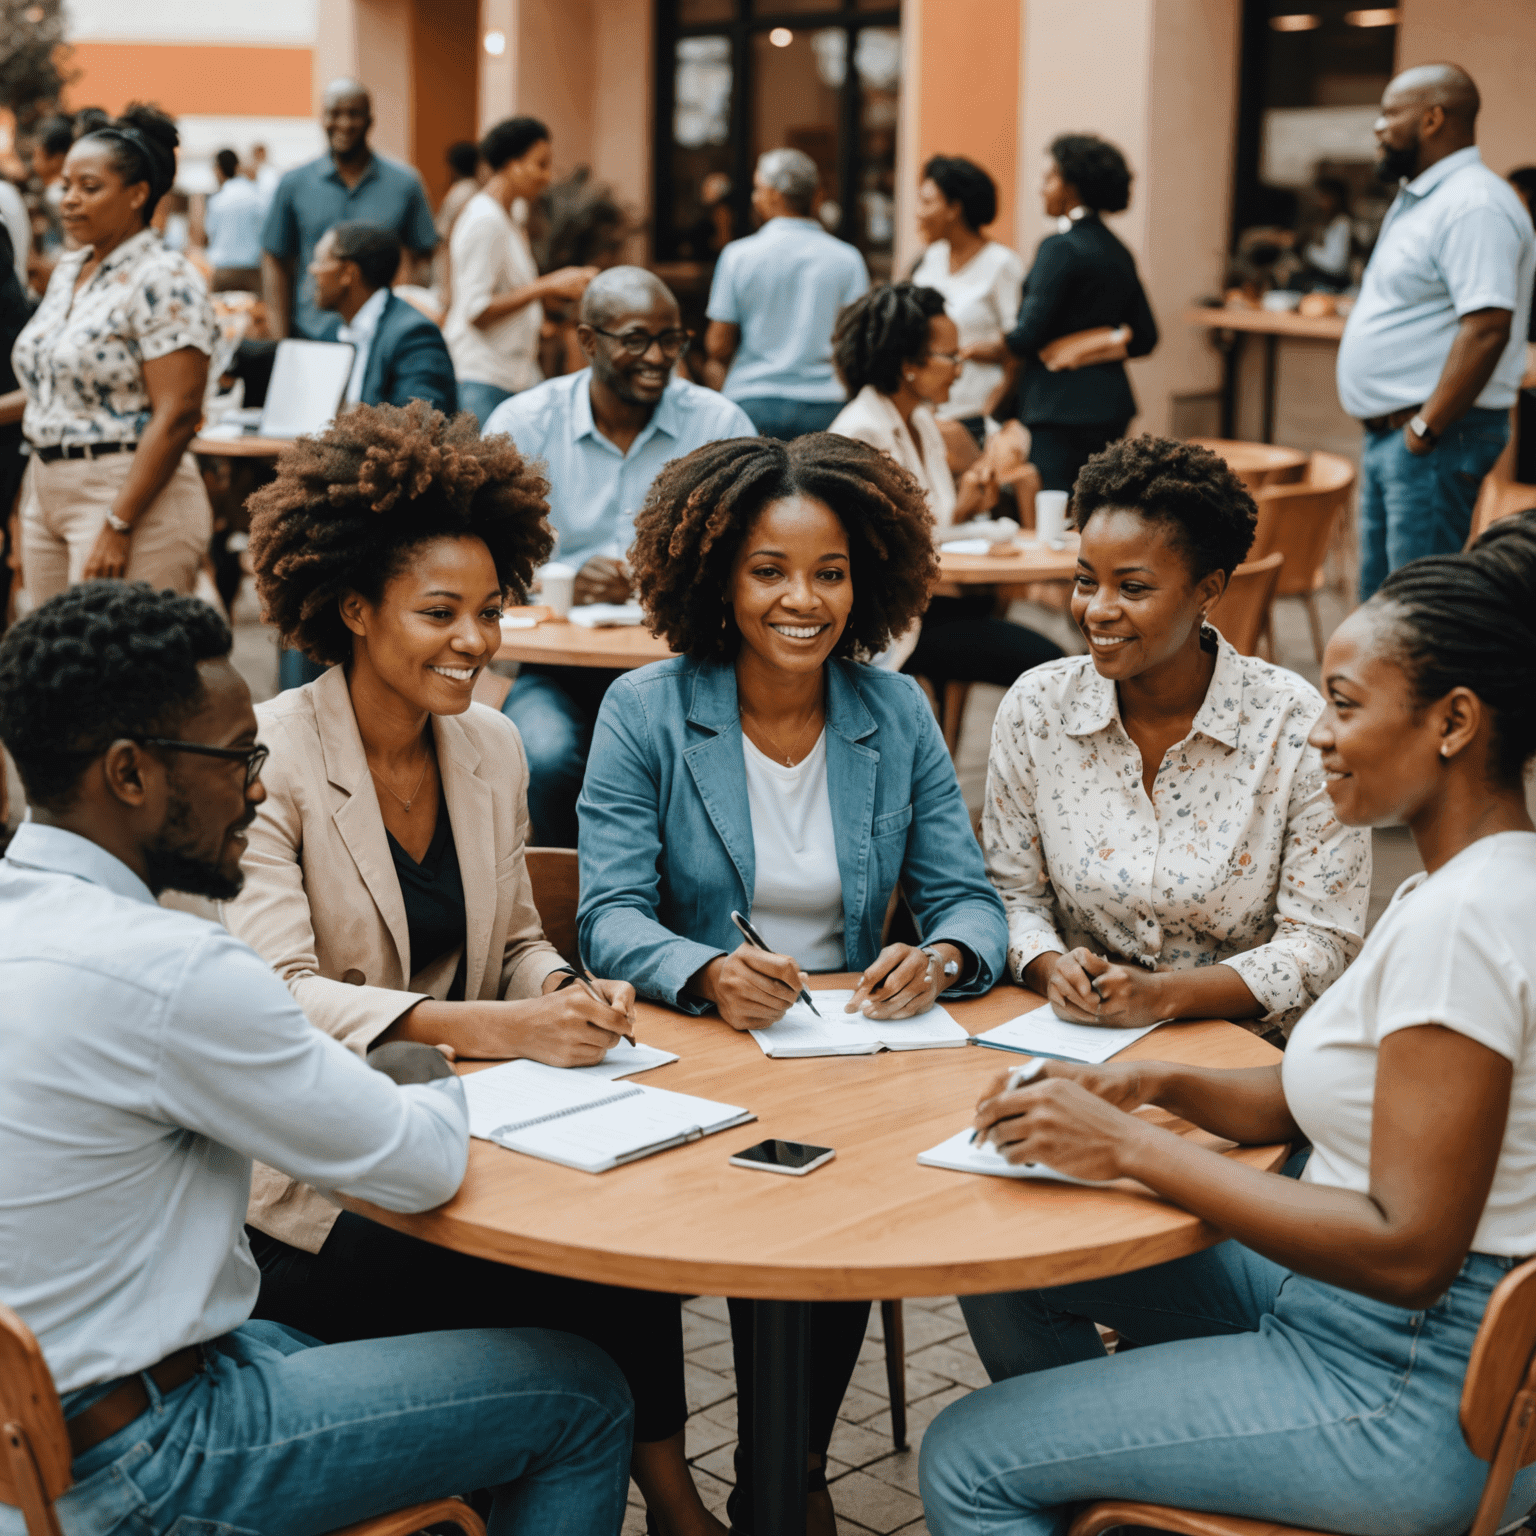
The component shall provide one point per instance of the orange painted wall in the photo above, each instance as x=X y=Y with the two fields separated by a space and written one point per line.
x=197 y=79
x=969 y=92
x=445 y=70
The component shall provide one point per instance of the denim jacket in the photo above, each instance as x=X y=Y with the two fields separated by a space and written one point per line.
x=666 y=832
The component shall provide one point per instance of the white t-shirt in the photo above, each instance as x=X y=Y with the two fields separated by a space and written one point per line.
x=982 y=298
x=490 y=256
x=797 y=905
x=1458 y=949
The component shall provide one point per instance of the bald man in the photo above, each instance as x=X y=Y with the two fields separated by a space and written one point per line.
x=347 y=184
x=603 y=433
x=1432 y=354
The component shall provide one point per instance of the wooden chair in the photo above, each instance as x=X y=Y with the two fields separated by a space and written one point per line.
x=35 y=1453
x=556 y=880
x=1241 y=612
x=1498 y=1422
x=1299 y=520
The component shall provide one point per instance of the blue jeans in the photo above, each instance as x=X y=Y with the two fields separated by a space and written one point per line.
x=1262 y=1394
x=786 y=419
x=480 y=398
x=1415 y=505
x=554 y=710
x=282 y=1434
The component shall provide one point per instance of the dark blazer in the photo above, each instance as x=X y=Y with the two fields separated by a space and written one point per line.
x=409 y=361
x=1081 y=279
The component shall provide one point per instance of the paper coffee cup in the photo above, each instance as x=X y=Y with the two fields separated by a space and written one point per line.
x=557 y=587
x=1051 y=517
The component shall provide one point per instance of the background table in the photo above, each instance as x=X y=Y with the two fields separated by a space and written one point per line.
x=240 y=447
x=872 y=1224
x=1257 y=464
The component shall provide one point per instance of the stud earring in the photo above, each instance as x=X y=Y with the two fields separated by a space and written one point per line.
x=1445 y=750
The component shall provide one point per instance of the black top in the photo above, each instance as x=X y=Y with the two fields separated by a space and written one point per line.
x=433 y=892
x=1081 y=279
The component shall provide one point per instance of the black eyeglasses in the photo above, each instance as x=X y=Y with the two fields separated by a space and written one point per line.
x=637 y=343
x=254 y=758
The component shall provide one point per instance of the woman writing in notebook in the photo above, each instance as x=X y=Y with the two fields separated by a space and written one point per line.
x=1156 y=821
x=386 y=883
x=765 y=769
x=1310 y=1368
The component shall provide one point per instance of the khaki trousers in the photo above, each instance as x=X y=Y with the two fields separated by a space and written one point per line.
x=64 y=506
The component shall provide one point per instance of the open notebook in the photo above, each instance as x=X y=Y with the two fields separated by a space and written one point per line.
x=835 y=1033
x=959 y=1155
x=1045 y=1033
x=593 y=1124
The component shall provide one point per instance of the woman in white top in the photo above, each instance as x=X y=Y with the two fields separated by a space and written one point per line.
x=1309 y=1370
x=897 y=352
x=496 y=314
x=981 y=281
x=1327 y=253
x=1155 y=819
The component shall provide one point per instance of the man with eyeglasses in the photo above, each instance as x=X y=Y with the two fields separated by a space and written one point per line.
x=603 y=433
x=149 y=1058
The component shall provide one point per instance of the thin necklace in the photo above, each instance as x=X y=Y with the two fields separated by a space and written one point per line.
x=789 y=759
x=419 y=782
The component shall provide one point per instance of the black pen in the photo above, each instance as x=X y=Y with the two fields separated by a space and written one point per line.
x=586 y=978
x=752 y=936
x=1017 y=1079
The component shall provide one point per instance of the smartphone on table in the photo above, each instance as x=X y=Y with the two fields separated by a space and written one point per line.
x=775 y=1156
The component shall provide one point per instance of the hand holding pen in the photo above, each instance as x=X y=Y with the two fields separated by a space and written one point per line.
x=1017 y=1078
x=756 y=940
x=586 y=979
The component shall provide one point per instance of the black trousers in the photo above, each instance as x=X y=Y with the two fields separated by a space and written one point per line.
x=1060 y=449
x=832 y=1347
x=962 y=642
x=370 y=1282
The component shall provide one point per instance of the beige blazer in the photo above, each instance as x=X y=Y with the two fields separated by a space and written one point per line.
x=322 y=903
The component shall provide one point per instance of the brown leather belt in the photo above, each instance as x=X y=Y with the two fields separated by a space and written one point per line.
x=1393 y=421
x=124 y=1403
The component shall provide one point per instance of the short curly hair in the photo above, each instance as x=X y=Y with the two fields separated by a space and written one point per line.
x=700 y=508
x=879 y=332
x=963 y=181
x=1206 y=508
x=349 y=505
x=1096 y=168
x=101 y=661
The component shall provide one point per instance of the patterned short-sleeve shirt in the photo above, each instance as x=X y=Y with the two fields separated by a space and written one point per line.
x=81 y=357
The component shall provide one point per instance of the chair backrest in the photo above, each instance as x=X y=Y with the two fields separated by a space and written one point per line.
x=1297 y=520
x=556 y=881
x=1240 y=611
x=34 y=1444
x=1503 y=1360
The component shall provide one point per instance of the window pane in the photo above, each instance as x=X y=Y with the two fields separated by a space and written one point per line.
x=702 y=86
x=691 y=11
x=796 y=85
x=877 y=60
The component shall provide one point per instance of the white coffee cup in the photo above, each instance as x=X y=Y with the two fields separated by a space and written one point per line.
x=557 y=587
x=1051 y=517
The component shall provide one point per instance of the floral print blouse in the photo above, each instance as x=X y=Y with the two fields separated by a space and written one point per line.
x=80 y=357
x=1237 y=858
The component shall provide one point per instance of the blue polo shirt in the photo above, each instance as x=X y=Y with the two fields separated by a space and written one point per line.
x=595 y=490
x=313 y=197
x=784 y=287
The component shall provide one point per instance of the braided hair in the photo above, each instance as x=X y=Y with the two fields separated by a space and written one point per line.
x=1205 y=509
x=348 y=507
x=879 y=332
x=143 y=143
x=1468 y=620
x=699 y=511
x=103 y=660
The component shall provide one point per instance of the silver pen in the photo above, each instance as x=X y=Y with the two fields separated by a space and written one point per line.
x=754 y=938
x=1018 y=1077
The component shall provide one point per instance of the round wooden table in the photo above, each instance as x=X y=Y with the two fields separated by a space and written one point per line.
x=240 y=447
x=870 y=1224
x=1257 y=464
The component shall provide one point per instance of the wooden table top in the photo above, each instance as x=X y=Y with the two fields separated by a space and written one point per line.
x=1257 y=464
x=1027 y=561
x=1268 y=322
x=870 y=1224
x=240 y=447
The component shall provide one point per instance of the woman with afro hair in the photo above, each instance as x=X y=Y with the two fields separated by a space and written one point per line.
x=385 y=878
x=767 y=769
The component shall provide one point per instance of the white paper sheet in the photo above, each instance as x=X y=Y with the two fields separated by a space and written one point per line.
x=625 y=1061
x=607 y=615
x=835 y=1033
x=1044 y=1033
x=514 y=1092
x=960 y=1156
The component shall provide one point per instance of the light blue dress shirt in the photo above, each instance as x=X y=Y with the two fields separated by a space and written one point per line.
x=149 y=1057
x=1456 y=240
x=595 y=490
x=784 y=287
x=232 y=223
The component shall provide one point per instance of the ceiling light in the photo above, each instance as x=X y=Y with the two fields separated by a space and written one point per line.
x=1384 y=16
x=495 y=44
x=781 y=37
x=1298 y=23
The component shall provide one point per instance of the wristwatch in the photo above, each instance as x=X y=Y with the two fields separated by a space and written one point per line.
x=947 y=967
x=117 y=525
x=1420 y=429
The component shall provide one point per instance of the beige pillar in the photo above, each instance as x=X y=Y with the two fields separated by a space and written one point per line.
x=369 y=40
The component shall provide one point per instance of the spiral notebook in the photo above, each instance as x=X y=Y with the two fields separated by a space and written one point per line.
x=586 y=1123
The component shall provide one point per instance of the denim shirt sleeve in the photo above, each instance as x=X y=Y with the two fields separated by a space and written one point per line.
x=617 y=924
